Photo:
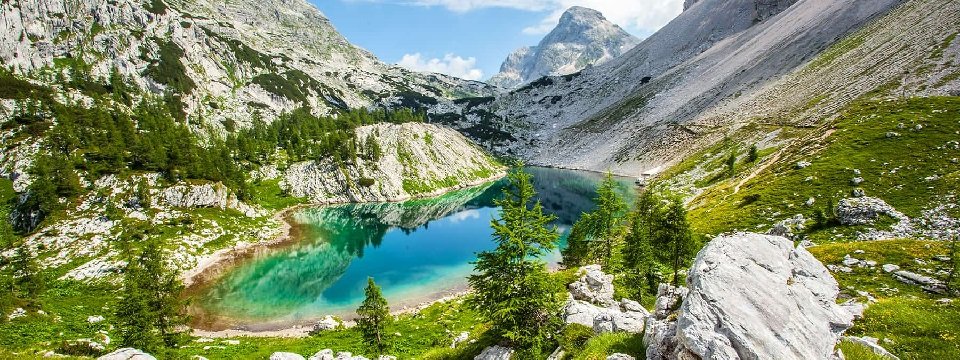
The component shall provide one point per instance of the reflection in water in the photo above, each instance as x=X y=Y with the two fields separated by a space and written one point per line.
x=415 y=250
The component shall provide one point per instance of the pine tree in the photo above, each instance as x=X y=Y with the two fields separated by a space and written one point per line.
x=374 y=315
x=675 y=239
x=149 y=313
x=28 y=280
x=608 y=218
x=595 y=234
x=638 y=253
x=731 y=164
x=512 y=286
x=753 y=155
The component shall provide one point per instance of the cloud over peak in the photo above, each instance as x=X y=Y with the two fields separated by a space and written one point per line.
x=450 y=64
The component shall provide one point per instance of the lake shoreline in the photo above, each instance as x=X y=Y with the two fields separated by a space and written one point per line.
x=212 y=267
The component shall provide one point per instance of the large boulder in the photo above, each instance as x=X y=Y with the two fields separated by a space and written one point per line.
x=865 y=210
x=211 y=195
x=755 y=296
x=127 y=354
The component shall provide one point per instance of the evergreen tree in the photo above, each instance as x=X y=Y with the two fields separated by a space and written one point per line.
x=638 y=253
x=512 y=286
x=595 y=234
x=28 y=280
x=149 y=312
x=731 y=164
x=675 y=239
x=752 y=156
x=374 y=315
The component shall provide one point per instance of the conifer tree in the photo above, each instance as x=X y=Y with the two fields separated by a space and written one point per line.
x=374 y=316
x=594 y=235
x=731 y=164
x=675 y=239
x=512 y=286
x=28 y=280
x=753 y=155
x=149 y=312
x=638 y=253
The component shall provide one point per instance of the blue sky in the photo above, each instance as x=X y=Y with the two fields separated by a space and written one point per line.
x=470 y=38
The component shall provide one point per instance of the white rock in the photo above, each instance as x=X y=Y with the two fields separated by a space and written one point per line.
x=619 y=356
x=594 y=286
x=127 y=354
x=17 y=313
x=286 y=356
x=890 y=268
x=94 y=319
x=325 y=354
x=460 y=338
x=327 y=323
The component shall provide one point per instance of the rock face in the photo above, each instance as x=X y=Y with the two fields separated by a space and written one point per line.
x=419 y=160
x=582 y=38
x=206 y=196
x=127 y=354
x=755 y=297
x=591 y=304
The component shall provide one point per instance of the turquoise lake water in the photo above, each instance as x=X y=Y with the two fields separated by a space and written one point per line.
x=416 y=251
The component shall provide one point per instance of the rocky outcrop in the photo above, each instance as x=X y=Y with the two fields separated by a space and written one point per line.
x=865 y=210
x=582 y=38
x=495 y=352
x=286 y=356
x=753 y=296
x=591 y=304
x=127 y=354
x=418 y=160
x=206 y=196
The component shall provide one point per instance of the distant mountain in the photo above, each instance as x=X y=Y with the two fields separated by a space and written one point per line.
x=582 y=38
x=222 y=60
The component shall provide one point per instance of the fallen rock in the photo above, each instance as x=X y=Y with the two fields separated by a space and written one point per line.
x=788 y=227
x=327 y=323
x=495 y=352
x=871 y=343
x=594 y=286
x=459 y=339
x=865 y=210
x=127 y=354
x=928 y=283
x=619 y=356
x=755 y=296
x=285 y=356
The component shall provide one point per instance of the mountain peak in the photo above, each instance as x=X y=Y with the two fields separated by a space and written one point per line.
x=581 y=14
x=582 y=38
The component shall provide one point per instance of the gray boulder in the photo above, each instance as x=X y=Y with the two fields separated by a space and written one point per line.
x=495 y=352
x=286 y=356
x=127 y=354
x=865 y=210
x=619 y=356
x=753 y=296
x=594 y=286
x=327 y=323
x=325 y=354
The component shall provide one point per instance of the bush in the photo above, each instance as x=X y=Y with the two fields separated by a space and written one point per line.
x=575 y=337
x=366 y=182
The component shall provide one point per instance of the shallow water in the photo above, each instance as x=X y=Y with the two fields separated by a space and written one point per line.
x=416 y=251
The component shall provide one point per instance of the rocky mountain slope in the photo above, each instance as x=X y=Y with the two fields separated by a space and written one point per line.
x=582 y=38
x=718 y=66
x=219 y=60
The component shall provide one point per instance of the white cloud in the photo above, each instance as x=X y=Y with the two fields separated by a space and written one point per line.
x=451 y=64
x=639 y=16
